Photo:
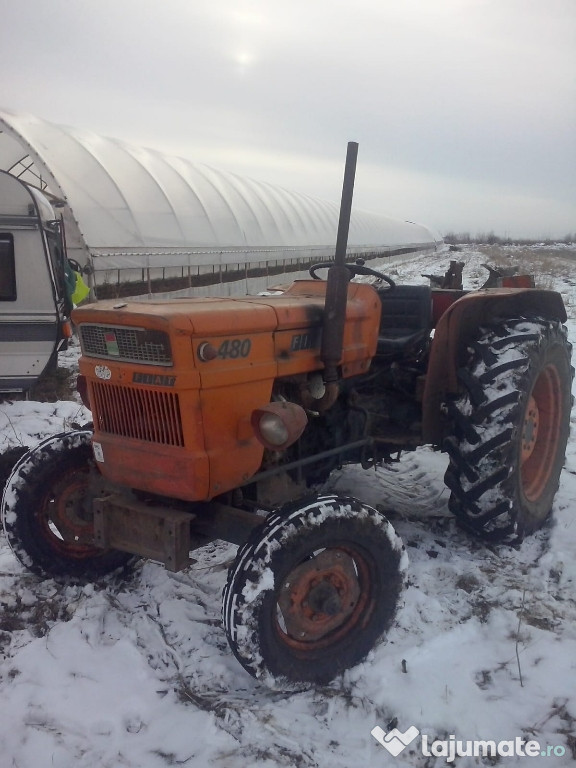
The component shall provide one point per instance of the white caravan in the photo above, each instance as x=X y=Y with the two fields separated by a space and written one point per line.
x=33 y=298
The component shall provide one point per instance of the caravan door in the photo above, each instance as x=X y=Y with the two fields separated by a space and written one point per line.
x=32 y=296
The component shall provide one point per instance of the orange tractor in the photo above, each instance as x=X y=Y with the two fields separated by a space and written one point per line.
x=221 y=418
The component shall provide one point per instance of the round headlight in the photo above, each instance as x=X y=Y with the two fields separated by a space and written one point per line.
x=278 y=425
x=272 y=429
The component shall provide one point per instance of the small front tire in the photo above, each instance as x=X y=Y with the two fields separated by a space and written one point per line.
x=47 y=515
x=8 y=461
x=312 y=591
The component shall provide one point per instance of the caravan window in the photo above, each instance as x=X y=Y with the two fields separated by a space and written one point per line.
x=7 y=268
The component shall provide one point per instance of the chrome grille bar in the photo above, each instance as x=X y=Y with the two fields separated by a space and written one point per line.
x=135 y=345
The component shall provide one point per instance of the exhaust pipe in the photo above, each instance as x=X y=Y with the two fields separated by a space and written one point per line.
x=337 y=290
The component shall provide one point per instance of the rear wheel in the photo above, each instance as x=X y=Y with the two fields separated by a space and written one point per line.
x=511 y=429
x=312 y=591
x=47 y=513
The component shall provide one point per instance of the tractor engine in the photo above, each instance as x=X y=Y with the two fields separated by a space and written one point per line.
x=192 y=399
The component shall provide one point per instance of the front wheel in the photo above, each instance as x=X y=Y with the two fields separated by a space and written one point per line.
x=47 y=513
x=511 y=429
x=312 y=591
x=8 y=461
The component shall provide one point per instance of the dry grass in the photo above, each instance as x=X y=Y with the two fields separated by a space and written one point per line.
x=547 y=264
x=55 y=384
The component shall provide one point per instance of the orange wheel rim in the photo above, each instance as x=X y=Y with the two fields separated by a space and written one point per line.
x=323 y=599
x=64 y=520
x=540 y=431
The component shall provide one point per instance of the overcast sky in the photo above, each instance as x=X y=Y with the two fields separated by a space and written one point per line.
x=465 y=110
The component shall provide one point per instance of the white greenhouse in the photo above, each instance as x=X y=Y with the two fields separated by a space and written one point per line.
x=135 y=214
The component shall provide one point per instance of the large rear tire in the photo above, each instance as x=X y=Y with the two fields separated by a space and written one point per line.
x=47 y=514
x=312 y=591
x=511 y=428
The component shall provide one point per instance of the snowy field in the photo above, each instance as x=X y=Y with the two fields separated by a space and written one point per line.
x=139 y=674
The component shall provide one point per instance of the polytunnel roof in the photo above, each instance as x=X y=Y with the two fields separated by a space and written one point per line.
x=126 y=198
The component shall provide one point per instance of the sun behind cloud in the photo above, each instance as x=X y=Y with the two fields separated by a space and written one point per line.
x=244 y=60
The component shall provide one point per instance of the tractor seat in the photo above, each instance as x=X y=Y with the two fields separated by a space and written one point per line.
x=406 y=318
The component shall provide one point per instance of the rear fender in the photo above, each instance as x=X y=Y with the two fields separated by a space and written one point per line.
x=458 y=326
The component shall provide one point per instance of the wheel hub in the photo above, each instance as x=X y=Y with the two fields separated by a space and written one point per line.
x=541 y=431
x=324 y=598
x=530 y=430
x=319 y=595
x=69 y=510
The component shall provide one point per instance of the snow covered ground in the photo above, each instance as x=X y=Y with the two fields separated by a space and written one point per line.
x=139 y=674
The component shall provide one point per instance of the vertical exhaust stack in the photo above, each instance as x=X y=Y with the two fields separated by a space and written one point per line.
x=337 y=289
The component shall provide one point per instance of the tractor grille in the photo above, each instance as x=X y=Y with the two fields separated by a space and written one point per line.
x=150 y=415
x=134 y=345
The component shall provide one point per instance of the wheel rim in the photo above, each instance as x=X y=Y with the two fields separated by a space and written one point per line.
x=540 y=433
x=65 y=518
x=323 y=599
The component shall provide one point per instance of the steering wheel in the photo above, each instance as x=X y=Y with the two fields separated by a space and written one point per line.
x=358 y=268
